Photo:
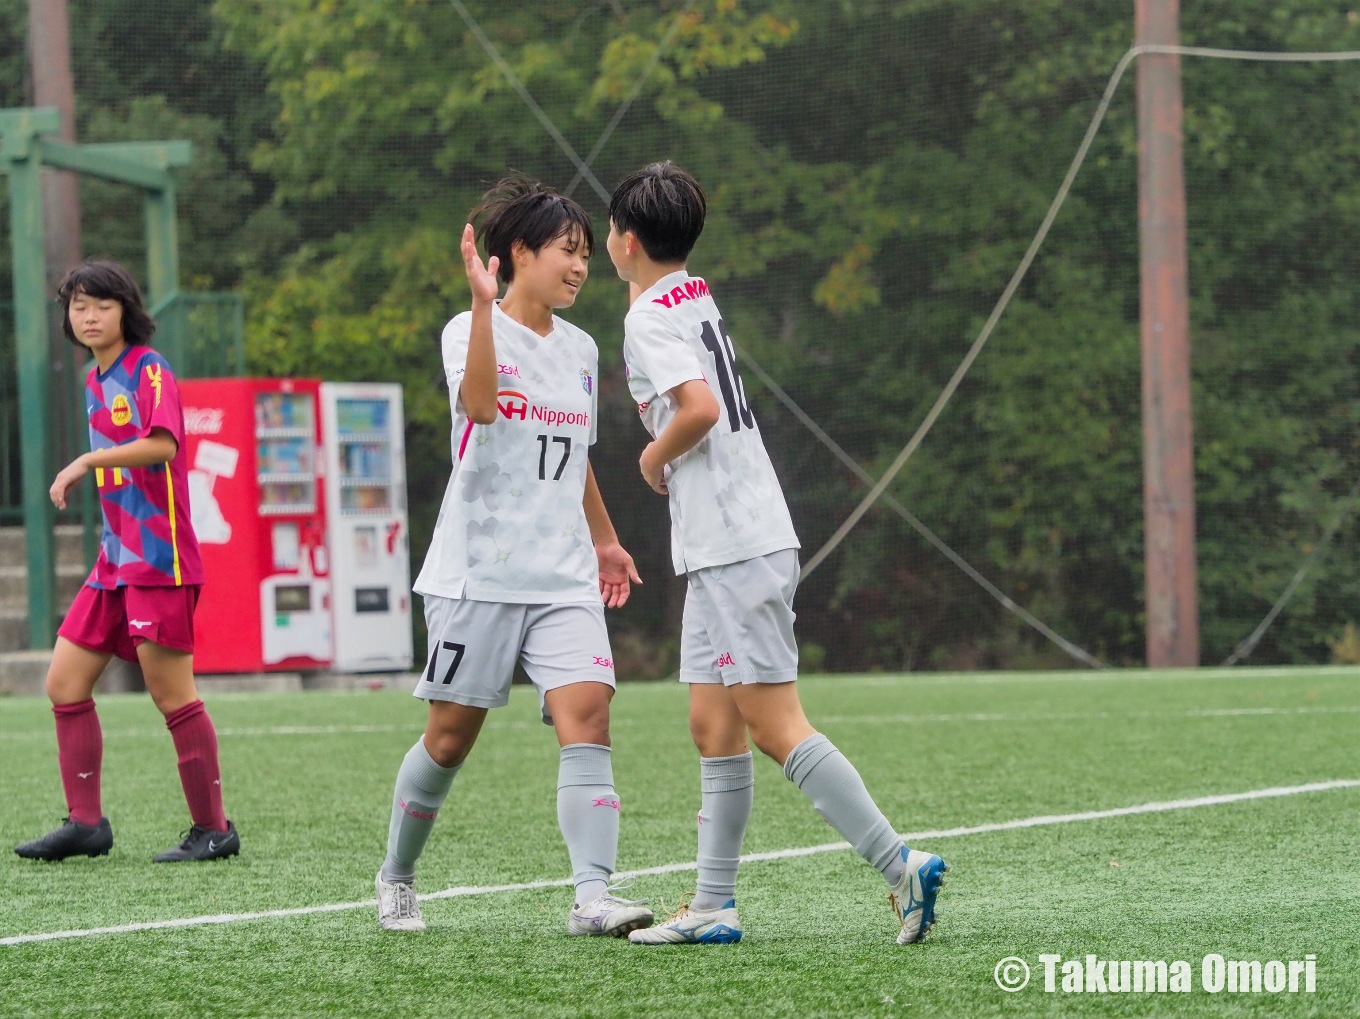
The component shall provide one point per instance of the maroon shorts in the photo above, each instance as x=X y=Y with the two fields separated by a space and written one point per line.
x=115 y=622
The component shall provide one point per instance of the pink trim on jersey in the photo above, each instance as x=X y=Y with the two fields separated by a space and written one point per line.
x=463 y=445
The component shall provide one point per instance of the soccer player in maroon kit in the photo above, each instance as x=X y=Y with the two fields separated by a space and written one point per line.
x=138 y=603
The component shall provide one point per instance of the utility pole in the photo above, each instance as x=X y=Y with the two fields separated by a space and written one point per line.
x=53 y=85
x=1168 y=446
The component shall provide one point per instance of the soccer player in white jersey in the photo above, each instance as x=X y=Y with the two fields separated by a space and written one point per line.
x=524 y=557
x=731 y=535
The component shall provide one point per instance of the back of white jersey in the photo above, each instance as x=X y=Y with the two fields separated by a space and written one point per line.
x=512 y=527
x=726 y=503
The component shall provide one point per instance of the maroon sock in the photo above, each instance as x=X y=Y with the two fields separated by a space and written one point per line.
x=80 y=752
x=196 y=743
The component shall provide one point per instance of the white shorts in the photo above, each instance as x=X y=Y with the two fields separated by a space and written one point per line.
x=738 y=622
x=474 y=646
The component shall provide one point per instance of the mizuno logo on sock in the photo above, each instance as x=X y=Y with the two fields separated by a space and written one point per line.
x=84 y=774
x=606 y=801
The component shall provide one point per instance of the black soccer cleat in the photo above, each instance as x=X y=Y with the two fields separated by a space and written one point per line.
x=203 y=844
x=71 y=839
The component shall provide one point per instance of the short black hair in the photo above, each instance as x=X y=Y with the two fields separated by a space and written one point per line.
x=664 y=206
x=519 y=208
x=107 y=281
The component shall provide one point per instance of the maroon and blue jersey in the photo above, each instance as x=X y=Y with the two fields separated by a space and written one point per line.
x=148 y=538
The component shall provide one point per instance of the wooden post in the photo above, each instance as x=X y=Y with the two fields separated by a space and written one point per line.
x=53 y=85
x=1168 y=447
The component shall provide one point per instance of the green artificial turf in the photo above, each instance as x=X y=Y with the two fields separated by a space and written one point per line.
x=308 y=779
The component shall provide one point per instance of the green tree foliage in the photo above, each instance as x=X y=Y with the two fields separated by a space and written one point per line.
x=875 y=170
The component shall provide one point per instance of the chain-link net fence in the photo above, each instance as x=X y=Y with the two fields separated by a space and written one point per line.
x=876 y=170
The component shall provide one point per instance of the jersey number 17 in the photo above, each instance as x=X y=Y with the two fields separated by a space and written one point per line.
x=565 y=442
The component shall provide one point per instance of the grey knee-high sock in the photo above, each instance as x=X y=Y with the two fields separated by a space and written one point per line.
x=838 y=794
x=588 y=814
x=421 y=789
x=728 y=785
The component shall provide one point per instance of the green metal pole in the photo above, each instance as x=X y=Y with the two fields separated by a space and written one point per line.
x=162 y=244
x=162 y=262
x=238 y=332
x=31 y=347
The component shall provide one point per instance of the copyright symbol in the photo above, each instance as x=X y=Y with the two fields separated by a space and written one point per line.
x=1011 y=974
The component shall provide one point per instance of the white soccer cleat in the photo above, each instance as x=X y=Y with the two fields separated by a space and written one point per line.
x=913 y=897
x=607 y=915
x=689 y=926
x=398 y=909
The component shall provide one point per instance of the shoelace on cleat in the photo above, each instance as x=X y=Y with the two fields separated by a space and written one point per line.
x=896 y=904
x=187 y=836
x=404 y=899
x=681 y=910
x=610 y=894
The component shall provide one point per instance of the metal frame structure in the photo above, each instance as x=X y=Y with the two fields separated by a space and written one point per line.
x=26 y=146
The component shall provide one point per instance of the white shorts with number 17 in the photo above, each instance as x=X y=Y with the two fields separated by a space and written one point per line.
x=474 y=645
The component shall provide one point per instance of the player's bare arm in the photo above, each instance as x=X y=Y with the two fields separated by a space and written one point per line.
x=157 y=448
x=478 y=388
x=616 y=565
x=697 y=412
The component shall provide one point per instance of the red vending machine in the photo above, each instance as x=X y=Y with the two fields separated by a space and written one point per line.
x=257 y=501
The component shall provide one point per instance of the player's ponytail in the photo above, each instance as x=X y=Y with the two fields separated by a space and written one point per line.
x=107 y=281
x=518 y=209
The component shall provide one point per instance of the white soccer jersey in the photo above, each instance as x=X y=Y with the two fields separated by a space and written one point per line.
x=726 y=503
x=512 y=527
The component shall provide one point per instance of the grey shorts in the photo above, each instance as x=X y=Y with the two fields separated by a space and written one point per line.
x=474 y=646
x=738 y=622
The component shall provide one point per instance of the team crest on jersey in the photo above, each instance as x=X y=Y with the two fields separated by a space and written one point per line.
x=586 y=381
x=120 y=411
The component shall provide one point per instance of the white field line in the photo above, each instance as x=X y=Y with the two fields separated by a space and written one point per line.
x=1236 y=674
x=672 y=868
x=985 y=716
x=976 y=716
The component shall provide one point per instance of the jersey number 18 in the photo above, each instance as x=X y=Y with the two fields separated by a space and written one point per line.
x=729 y=382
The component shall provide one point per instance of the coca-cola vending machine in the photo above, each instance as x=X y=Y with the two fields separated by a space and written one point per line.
x=257 y=497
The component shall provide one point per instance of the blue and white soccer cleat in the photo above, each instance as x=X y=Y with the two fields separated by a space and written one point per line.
x=609 y=915
x=689 y=926
x=913 y=897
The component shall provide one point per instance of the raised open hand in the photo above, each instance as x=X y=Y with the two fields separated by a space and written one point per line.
x=481 y=278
